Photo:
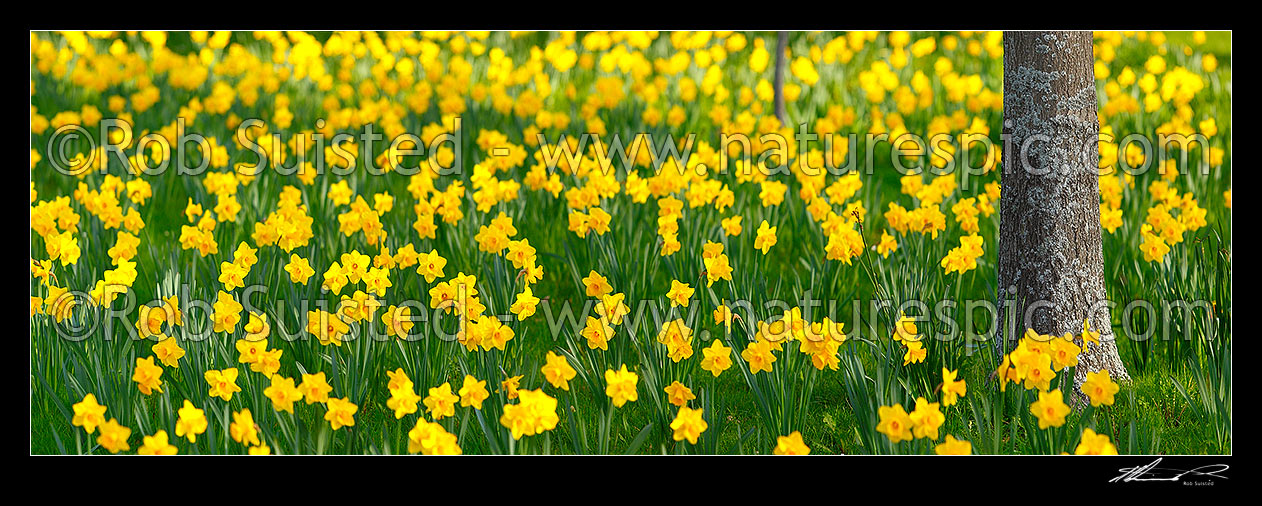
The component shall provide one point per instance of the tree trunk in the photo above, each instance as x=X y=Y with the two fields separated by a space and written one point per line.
x=782 y=40
x=1051 y=265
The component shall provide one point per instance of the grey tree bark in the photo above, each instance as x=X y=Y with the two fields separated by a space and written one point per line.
x=1051 y=265
x=782 y=40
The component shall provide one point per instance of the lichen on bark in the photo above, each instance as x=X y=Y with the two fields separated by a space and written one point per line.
x=1050 y=250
